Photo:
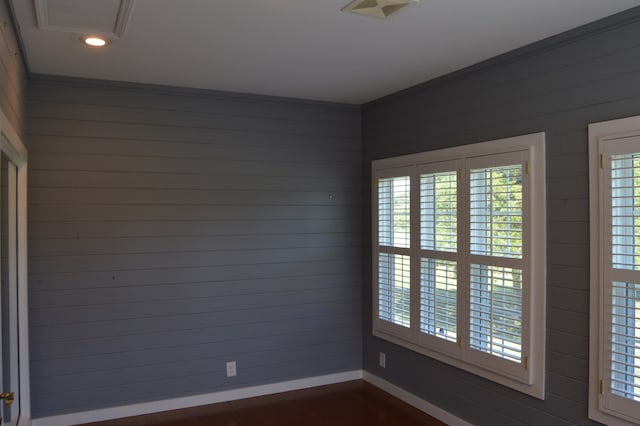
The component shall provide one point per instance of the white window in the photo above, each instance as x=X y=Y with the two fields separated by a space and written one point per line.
x=614 y=392
x=458 y=257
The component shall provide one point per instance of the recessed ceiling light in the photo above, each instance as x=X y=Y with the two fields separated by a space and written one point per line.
x=377 y=8
x=95 y=41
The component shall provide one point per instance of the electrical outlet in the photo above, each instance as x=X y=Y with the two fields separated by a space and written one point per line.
x=231 y=369
x=382 y=360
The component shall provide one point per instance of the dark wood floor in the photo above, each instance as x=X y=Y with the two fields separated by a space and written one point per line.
x=354 y=403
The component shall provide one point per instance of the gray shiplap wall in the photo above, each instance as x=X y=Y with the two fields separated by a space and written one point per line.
x=173 y=230
x=13 y=76
x=557 y=86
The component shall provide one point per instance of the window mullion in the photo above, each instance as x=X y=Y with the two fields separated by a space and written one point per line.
x=415 y=253
x=504 y=262
x=528 y=320
x=463 y=256
x=477 y=239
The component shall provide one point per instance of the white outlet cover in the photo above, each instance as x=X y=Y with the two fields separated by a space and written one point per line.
x=231 y=369
x=382 y=360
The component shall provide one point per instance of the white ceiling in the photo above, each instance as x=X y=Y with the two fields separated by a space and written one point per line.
x=301 y=48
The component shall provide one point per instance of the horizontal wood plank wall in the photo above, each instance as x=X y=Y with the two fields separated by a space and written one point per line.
x=13 y=76
x=174 y=230
x=557 y=86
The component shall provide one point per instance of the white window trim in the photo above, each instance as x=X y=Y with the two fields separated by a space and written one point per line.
x=603 y=131
x=15 y=150
x=535 y=312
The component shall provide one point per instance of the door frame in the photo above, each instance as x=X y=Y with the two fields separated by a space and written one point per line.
x=11 y=144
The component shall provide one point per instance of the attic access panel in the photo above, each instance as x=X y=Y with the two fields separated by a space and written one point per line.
x=101 y=17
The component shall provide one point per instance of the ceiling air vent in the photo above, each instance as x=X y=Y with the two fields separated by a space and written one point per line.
x=377 y=8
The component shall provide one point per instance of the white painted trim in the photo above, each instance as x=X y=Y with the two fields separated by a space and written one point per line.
x=194 y=401
x=11 y=143
x=23 y=297
x=119 y=27
x=14 y=324
x=12 y=146
x=24 y=421
x=498 y=146
x=124 y=16
x=415 y=401
x=42 y=13
x=235 y=394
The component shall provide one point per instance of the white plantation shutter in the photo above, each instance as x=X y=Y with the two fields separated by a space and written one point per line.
x=496 y=211
x=625 y=348
x=614 y=333
x=439 y=211
x=496 y=216
x=625 y=251
x=394 y=289
x=454 y=257
x=394 y=211
x=496 y=311
x=497 y=275
x=620 y=352
x=392 y=249
x=439 y=253
x=439 y=298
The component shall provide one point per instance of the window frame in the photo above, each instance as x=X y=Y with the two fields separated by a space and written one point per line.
x=605 y=139
x=532 y=381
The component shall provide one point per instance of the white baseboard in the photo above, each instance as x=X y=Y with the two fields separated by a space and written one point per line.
x=249 y=392
x=411 y=399
x=24 y=421
x=193 y=401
